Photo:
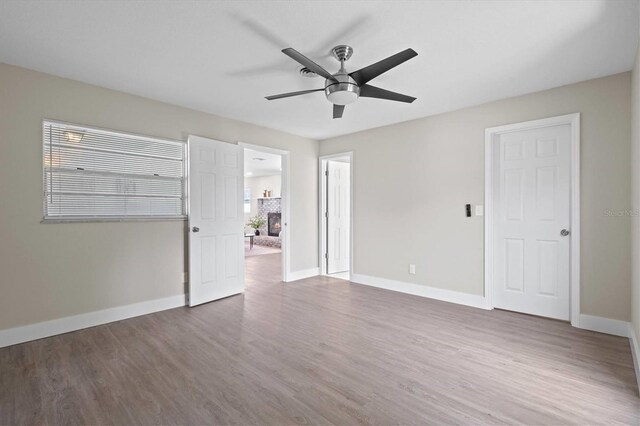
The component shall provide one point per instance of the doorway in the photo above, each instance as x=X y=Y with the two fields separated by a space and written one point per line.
x=532 y=219
x=217 y=224
x=265 y=208
x=336 y=215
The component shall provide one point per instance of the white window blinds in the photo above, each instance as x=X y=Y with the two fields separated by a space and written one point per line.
x=97 y=174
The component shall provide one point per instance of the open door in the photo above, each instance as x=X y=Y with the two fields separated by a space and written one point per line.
x=216 y=220
x=338 y=216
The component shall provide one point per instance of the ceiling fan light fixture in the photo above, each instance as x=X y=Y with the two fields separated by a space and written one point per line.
x=342 y=96
x=344 y=88
x=343 y=91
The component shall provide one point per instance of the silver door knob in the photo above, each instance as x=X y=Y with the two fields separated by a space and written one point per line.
x=564 y=232
x=195 y=229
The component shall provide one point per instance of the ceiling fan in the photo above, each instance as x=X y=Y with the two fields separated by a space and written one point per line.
x=343 y=88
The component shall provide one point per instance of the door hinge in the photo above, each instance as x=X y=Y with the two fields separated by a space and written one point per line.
x=326 y=214
x=326 y=255
x=326 y=172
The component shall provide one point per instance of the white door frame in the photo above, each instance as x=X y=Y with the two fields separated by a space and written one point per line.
x=491 y=136
x=322 y=204
x=286 y=203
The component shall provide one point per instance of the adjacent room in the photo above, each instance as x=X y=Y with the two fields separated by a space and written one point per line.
x=263 y=212
x=319 y=212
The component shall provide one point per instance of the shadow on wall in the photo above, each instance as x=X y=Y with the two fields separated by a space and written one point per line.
x=533 y=61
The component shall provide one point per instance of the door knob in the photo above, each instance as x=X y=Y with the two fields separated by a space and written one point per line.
x=195 y=229
x=564 y=232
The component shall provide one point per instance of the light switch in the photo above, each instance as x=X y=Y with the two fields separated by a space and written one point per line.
x=412 y=269
x=479 y=210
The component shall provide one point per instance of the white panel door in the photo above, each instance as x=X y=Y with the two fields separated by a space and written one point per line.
x=532 y=206
x=338 y=216
x=216 y=220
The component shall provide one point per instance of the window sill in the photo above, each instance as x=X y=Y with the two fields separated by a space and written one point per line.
x=112 y=219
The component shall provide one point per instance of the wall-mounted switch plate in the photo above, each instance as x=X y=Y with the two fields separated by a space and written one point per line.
x=412 y=269
x=479 y=210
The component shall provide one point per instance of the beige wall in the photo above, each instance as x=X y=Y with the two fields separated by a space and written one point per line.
x=635 y=196
x=51 y=271
x=413 y=180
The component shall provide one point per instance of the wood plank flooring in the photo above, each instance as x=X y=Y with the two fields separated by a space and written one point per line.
x=321 y=351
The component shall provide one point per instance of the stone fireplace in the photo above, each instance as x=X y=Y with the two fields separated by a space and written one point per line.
x=273 y=224
x=270 y=210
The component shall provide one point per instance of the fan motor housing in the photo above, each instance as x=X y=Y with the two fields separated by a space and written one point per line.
x=343 y=92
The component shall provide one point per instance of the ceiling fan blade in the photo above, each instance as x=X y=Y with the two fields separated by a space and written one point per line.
x=287 y=95
x=372 y=71
x=300 y=58
x=368 y=91
x=337 y=111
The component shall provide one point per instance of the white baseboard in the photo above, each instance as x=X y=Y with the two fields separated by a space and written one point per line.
x=604 y=325
x=422 y=290
x=13 y=336
x=300 y=275
x=635 y=352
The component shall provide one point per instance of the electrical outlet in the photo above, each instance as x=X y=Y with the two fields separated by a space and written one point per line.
x=412 y=269
x=479 y=210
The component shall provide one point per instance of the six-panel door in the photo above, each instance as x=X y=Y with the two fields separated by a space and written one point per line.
x=216 y=220
x=532 y=205
x=338 y=218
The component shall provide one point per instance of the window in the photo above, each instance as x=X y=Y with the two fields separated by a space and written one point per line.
x=247 y=200
x=93 y=174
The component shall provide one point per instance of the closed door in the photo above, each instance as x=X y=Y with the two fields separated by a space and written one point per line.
x=216 y=220
x=338 y=216
x=532 y=221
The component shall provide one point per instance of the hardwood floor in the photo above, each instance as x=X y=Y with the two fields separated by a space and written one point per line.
x=321 y=351
x=258 y=250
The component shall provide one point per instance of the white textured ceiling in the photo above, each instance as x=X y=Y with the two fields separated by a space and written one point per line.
x=224 y=57
x=257 y=163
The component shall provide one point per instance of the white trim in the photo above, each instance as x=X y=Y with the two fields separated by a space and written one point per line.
x=604 y=325
x=635 y=352
x=490 y=136
x=322 y=206
x=305 y=273
x=92 y=219
x=286 y=203
x=13 y=336
x=450 y=296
